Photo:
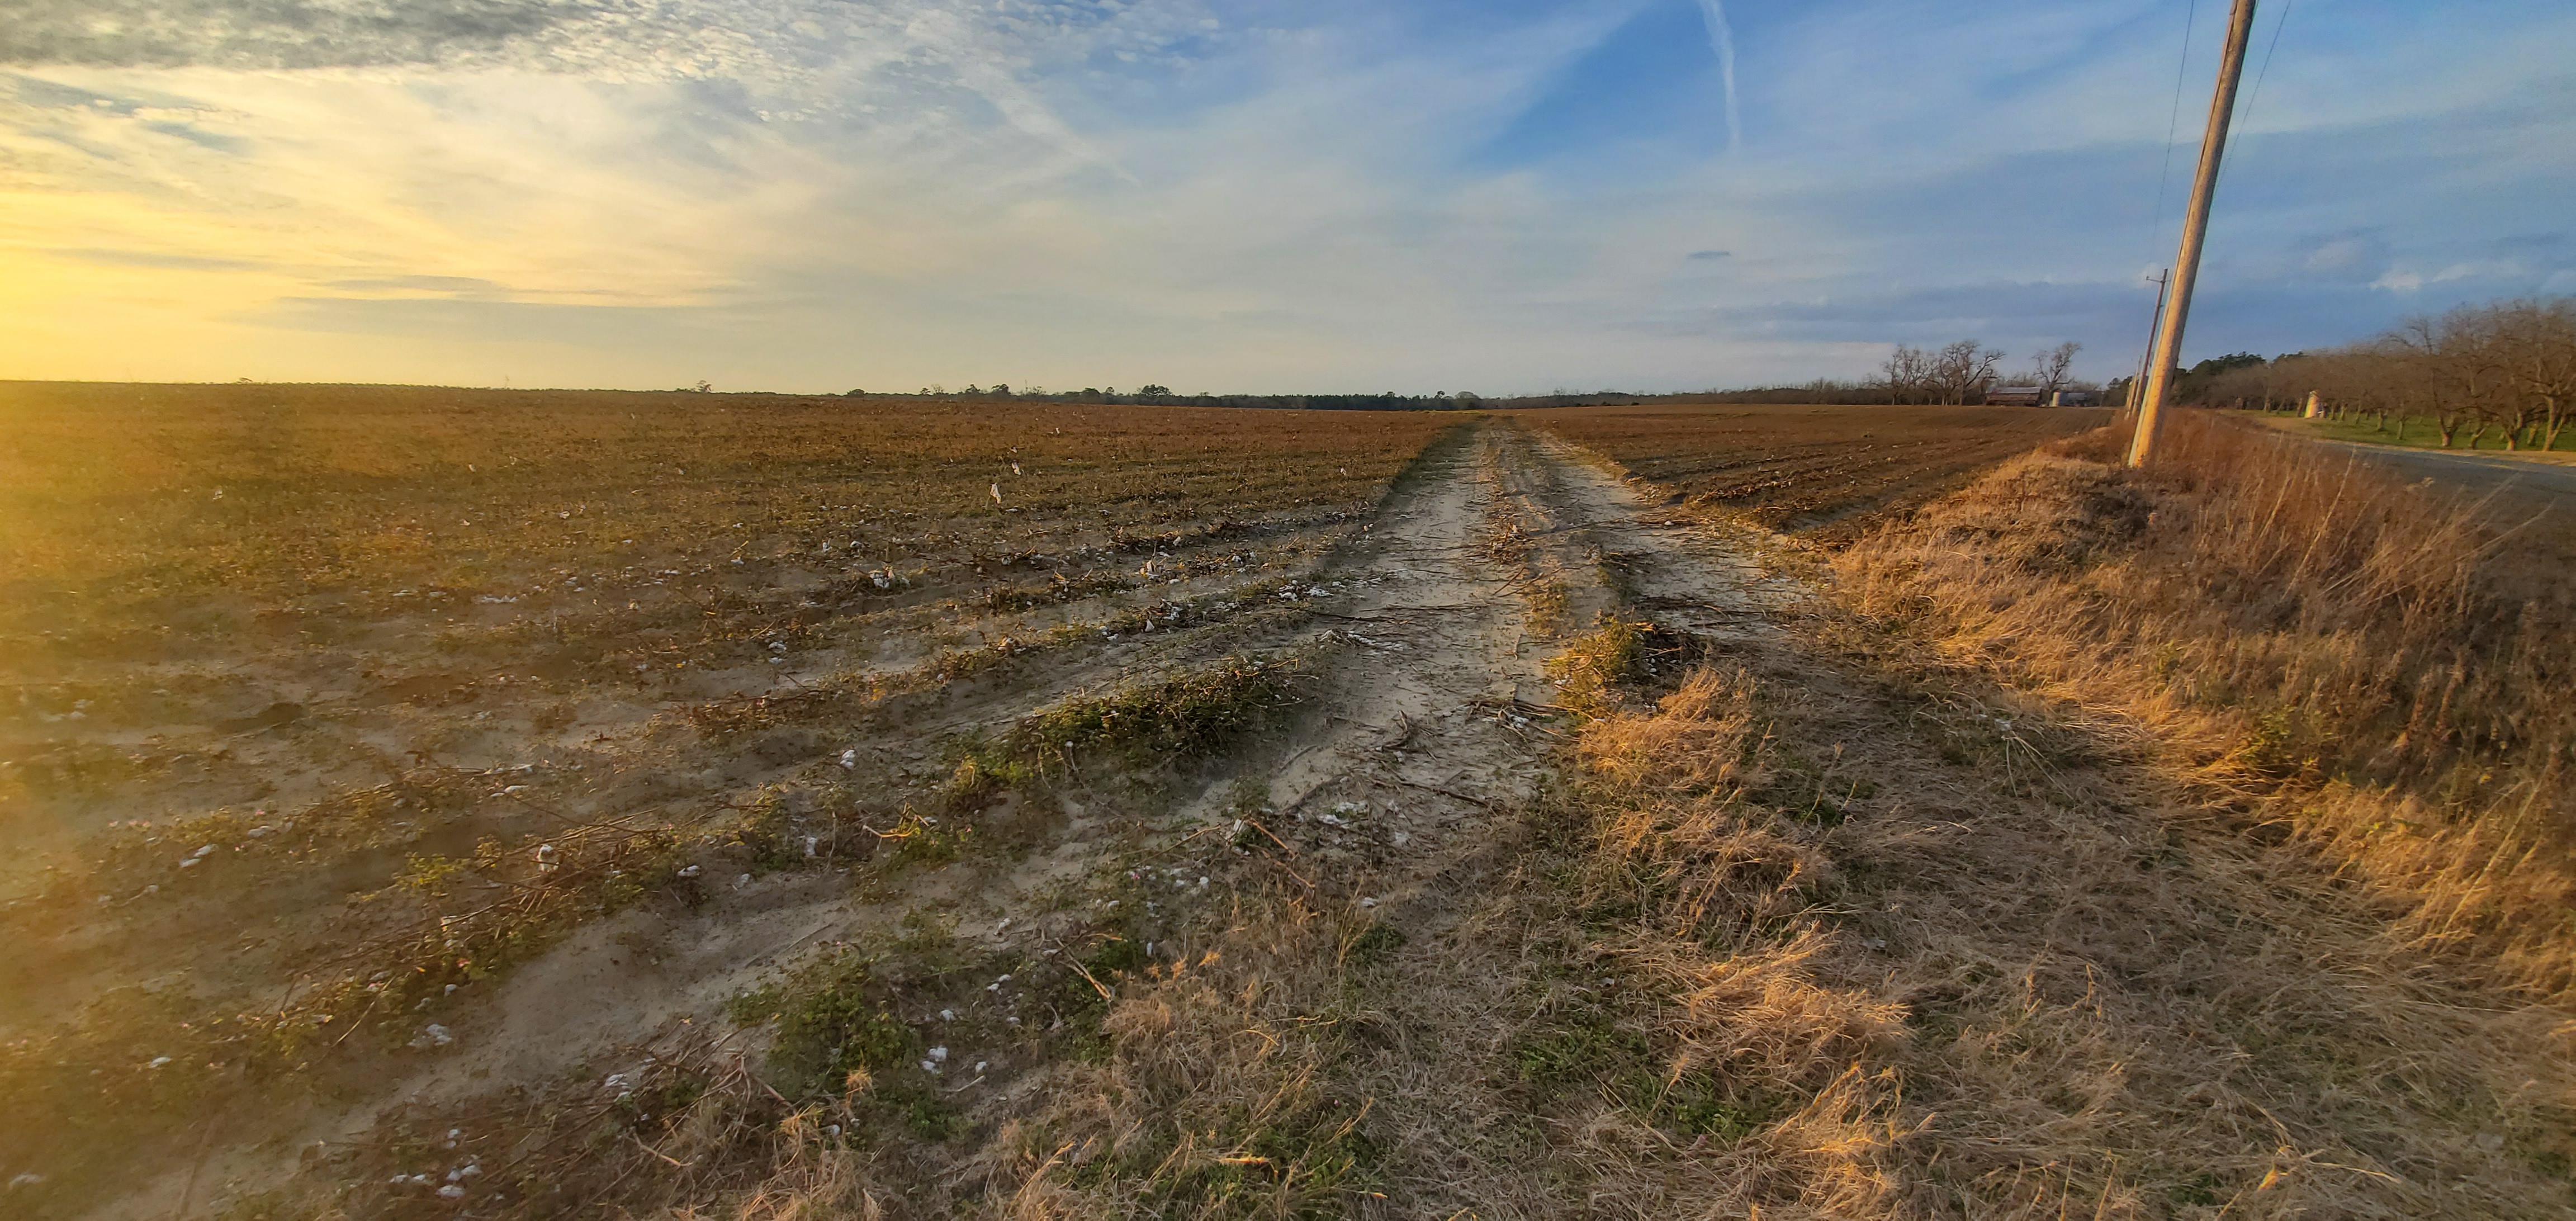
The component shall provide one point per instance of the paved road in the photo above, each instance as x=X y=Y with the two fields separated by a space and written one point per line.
x=2546 y=479
x=2481 y=471
x=2533 y=501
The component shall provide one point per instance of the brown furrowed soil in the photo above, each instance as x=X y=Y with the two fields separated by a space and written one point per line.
x=1813 y=472
x=315 y=695
x=1487 y=835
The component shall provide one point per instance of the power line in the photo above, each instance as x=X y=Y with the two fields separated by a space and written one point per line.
x=2173 y=123
x=2252 y=99
x=2246 y=112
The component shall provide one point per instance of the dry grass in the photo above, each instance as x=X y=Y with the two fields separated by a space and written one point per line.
x=1723 y=891
x=1977 y=997
x=2370 y=665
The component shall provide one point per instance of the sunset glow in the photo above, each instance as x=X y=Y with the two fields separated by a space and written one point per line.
x=1227 y=195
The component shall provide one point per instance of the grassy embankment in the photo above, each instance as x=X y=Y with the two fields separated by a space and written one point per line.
x=2375 y=670
x=2200 y=850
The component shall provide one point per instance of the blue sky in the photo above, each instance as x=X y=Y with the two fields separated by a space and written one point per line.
x=1415 y=195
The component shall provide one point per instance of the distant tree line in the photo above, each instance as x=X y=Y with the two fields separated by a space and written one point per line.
x=1958 y=374
x=1158 y=395
x=2506 y=369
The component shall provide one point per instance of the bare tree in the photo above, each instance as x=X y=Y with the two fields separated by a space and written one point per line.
x=2049 y=369
x=1907 y=375
x=2536 y=351
x=2458 y=354
x=1963 y=370
x=2506 y=368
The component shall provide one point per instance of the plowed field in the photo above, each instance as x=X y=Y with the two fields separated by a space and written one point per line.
x=1816 y=472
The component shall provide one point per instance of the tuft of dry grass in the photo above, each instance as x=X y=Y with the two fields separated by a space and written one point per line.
x=1720 y=894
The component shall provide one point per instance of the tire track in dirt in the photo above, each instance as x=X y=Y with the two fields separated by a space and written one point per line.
x=1410 y=981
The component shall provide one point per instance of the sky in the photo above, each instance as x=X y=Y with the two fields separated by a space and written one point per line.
x=1497 y=196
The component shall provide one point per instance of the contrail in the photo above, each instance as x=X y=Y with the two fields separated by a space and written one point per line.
x=1722 y=36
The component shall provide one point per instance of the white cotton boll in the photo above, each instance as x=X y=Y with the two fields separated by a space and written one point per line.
x=850 y=758
x=451 y=1192
x=939 y=1054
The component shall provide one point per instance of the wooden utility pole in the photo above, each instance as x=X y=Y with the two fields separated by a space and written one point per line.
x=2155 y=319
x=2195 y=228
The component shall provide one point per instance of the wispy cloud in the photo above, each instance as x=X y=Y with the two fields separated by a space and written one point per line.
x=1425 y=194
x=1722 y=38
